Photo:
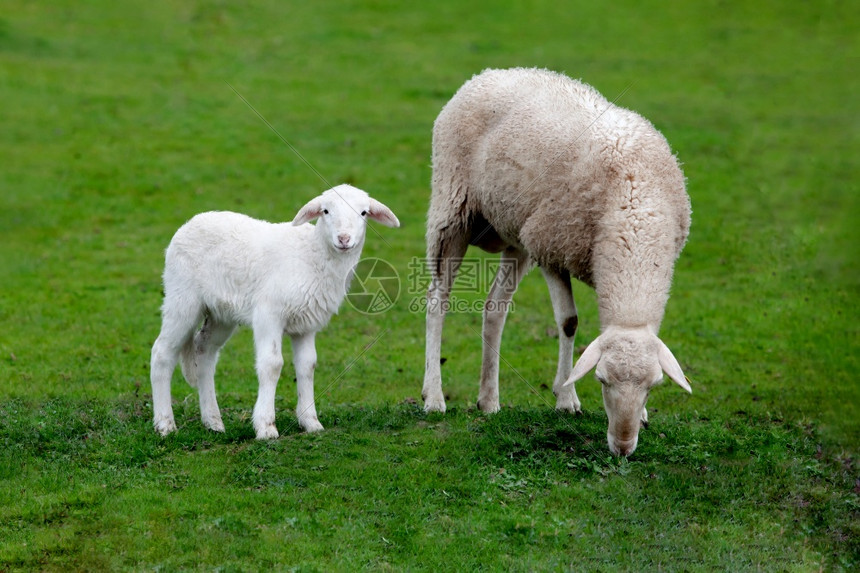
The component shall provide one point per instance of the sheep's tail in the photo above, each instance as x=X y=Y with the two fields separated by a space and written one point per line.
x=187 y=362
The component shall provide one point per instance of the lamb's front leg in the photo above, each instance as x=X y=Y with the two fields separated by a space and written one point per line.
x=305 y=361
x=267 y=344
x=564 y=310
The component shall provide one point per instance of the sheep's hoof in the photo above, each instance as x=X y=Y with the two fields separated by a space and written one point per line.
x=489 y=406
x=434 y=405
x=164 y=426
x=572 y=407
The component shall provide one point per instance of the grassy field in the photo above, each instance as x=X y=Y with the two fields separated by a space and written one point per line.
x=119 y=121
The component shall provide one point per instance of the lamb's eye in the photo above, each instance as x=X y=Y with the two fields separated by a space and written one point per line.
x=325 y=211
x=363 y=213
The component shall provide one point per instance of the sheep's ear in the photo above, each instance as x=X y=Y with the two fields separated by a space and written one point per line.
x=671 y=367
x=309 y=212
x=382 y=214
x=586 y=362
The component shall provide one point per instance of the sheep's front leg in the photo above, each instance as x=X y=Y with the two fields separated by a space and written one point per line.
x=564 y=311
x=267 y=344
x=512 y=267
x=305 y=361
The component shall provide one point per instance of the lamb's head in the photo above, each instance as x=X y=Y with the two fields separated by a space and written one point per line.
x=628 y=362
x=343 y=212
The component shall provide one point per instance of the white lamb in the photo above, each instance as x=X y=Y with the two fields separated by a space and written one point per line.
x=225 y=269
x=542 y=168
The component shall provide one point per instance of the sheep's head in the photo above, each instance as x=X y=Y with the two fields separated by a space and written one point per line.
x=628 y=363
x=343 y=212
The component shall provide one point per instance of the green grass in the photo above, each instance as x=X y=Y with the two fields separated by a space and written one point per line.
x=118 y=123
x=524 y=489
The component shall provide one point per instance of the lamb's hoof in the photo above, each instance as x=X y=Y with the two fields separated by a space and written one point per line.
x=164 y=426
x=269 y=432
x=214 y=424
x=434 y=404
x=489 y=406
x=311 y=425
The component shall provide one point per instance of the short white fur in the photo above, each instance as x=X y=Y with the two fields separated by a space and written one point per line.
x=225 y=270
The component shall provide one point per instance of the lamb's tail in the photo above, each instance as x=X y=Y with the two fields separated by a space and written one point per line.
x=188 y=362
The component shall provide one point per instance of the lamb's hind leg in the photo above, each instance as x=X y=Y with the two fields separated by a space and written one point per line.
x=177 y=328
x=512 y=267
x=564 y=311
x=444 y=255
x=198 y=366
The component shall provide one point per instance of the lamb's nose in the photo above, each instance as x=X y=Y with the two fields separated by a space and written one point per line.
x=343 y=239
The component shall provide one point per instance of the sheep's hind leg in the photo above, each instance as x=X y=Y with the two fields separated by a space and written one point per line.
x=201 y=366
x=564 y=310
x=267 y=345
x=513 y=265
x=305 y=361
x=443 y=270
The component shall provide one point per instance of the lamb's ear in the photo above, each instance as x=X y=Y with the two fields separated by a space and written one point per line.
x=671 y=367
x=382 y=214
x=586 y=362
x=309 y=212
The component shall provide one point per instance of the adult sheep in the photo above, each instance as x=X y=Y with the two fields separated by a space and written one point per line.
x=545 y=170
